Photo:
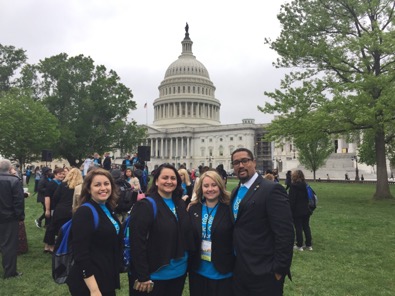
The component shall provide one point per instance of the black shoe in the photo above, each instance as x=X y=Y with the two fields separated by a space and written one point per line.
x=16 y=275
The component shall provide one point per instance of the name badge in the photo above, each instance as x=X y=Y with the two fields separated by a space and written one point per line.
x=205 y=250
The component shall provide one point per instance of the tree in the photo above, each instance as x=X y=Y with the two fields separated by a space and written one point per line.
x=130 y=137
x=344 y=55
x=11 y=59
x=313 y=152
x=26 y=127
x=314 y=147
x=90 y=103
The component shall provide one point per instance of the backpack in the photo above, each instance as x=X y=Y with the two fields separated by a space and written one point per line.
x=62 y=258
x=127 y=198
x=126 y=256
x=312 y=198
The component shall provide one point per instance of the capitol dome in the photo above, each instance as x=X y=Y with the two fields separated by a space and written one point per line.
x=186 y=94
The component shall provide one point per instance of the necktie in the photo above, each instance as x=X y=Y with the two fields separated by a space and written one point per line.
x=242 y=191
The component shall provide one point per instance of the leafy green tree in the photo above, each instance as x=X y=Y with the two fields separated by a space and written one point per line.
x=314 y=151
x=11 y=60
x=314 y=147
x=26 y=127
x=343 y=53
x=90 y=103
x=130 y=137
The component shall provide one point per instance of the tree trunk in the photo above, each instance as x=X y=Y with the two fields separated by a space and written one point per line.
x=382 y=186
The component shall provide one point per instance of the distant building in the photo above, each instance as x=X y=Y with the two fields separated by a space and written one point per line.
x=187 y=128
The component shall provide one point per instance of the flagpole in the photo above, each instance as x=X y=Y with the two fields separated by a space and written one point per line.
x=146 y=114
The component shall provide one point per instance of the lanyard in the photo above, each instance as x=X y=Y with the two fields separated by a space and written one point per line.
x=208 y=217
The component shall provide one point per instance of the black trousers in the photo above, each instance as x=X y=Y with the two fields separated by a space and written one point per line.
x=302 y=224
x=173 y=287
x=202 y=286
x=53 y=229
x=266 y=285
x=9 y=247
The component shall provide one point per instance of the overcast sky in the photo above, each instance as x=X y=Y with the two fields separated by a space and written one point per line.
x=140 y=39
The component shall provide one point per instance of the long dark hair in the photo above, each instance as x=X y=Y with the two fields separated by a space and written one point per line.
x=153 y=190
x=85 y=191
x=297 y=177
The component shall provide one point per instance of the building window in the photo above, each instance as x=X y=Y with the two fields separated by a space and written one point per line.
x=220 y=139
x=231 y=138
x=202 y=140
x=240 y=138
x=210 y=140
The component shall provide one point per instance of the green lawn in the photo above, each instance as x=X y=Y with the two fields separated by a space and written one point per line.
x=353 y=239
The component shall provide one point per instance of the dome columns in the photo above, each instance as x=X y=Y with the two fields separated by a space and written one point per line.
x=187 y=110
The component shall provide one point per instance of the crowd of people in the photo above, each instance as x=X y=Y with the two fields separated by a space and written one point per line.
x=228 y=243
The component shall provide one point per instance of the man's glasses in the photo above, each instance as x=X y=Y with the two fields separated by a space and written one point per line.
x=244 y=161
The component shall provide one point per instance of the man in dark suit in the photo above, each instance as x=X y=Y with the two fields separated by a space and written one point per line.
x=263 y=235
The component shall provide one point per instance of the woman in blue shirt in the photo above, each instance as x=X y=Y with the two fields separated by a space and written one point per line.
x=96 y=249
x=212 y=264
x=159 y=242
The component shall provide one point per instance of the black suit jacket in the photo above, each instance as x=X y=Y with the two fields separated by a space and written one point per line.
x=263 y=234
x=222 y=255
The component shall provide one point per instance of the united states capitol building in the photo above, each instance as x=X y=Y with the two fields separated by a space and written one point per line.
x=187 y=129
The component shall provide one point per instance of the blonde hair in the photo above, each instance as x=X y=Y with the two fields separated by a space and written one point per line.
x=224 y=196
x=184 y=172
x=73 y=178
x=269 y=177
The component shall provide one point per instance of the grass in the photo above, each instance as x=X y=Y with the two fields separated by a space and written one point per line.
x=353 y=239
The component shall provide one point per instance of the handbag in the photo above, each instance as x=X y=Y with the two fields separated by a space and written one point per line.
x=140 y=195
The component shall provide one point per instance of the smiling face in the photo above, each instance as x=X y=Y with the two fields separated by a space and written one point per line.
x=100 y=188
x=166 y=182
x=244 y=171
x=210 y=189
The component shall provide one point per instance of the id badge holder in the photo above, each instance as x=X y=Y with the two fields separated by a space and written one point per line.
x=205 y=250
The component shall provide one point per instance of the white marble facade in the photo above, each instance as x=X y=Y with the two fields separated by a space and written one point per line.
x=186 y=127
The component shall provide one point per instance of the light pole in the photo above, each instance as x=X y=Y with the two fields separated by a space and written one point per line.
x=356 y=167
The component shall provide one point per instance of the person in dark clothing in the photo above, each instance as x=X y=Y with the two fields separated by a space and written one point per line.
x=107 y=161
x=263 y=233
x=288 y=180
x=212 y=260
x=301 y=213
x=160 y=244
x=12 y=210
x=127 y=196
x=41 y=188
x=49 y=243
x=220 y=170
x=142 y=175
x=62 y=203
x=97 y=252
x=126 y=162
x=28 y=174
